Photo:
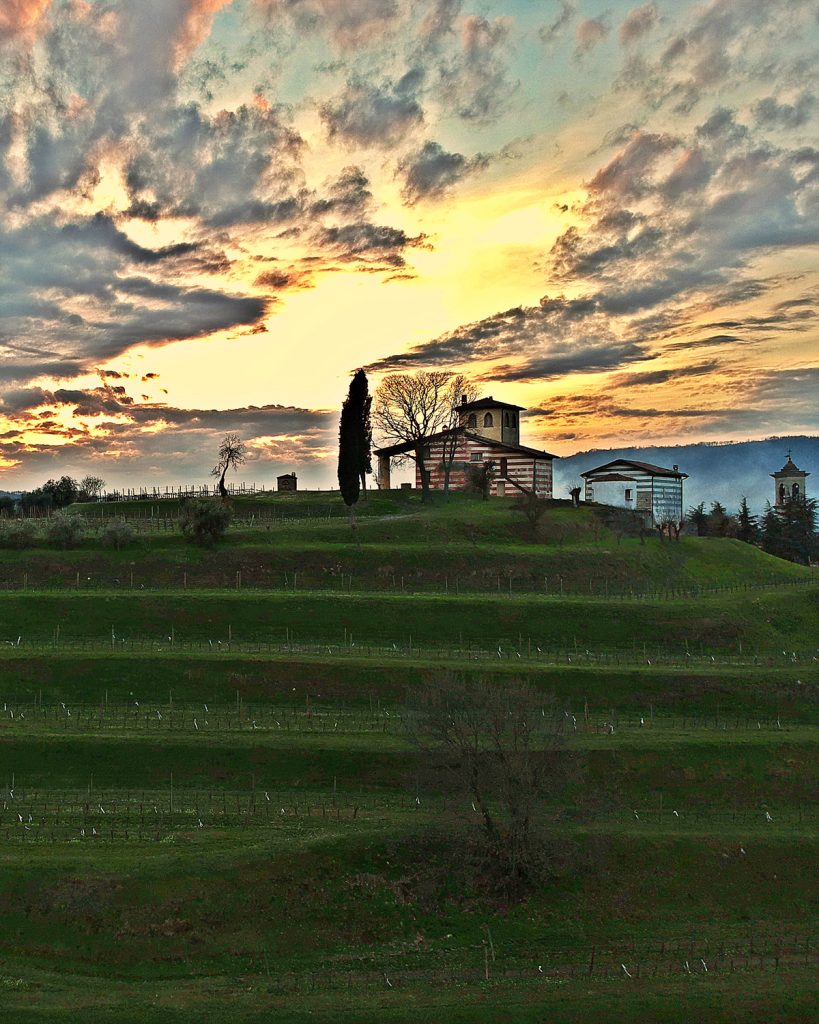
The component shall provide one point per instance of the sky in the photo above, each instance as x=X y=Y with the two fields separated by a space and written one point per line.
x=212 y=212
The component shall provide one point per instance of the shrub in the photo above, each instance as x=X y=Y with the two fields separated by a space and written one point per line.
x=64 y=529
x=20 y=533
x=118 y=534
x=204 y=520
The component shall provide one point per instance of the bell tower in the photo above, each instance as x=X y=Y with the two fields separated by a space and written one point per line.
x=789 y=483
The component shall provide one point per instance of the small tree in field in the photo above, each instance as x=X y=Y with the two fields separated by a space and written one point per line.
x=65 y=530
x=232 y=454
x=480 y=477
x=204 y=520
x=532 y=506
x=118 y=535
x=498 y=744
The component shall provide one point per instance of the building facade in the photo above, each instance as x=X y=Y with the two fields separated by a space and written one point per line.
x=654 y=491
x=488 y=431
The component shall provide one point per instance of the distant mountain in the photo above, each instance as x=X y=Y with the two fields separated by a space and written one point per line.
x=716 y=471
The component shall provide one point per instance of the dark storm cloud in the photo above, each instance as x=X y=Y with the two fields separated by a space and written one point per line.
x=651 y=377
x=769 y=113
x=431 y=171
x=369 y=113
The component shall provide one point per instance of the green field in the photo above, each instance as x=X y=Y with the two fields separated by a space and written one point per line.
x=212 y=810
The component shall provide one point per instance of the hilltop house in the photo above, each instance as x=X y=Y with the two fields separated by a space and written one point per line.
x=487 y=431
x=653 y=490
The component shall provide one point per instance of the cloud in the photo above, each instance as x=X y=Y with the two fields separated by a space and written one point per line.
x=152 y=443
x=22 y=18
x=439 y=20
x=367 y=113
x=350 y=23
x=554 y=30
x=475 y=81
x=638 y=22
x=83 y=288
x=431 y=171
x=769 y=113
x=590 y=32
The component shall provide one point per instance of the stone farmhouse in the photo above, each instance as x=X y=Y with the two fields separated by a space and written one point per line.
x=653 y=490
x=487 y=431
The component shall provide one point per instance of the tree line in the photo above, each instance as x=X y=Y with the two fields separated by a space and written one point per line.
x=787 y=530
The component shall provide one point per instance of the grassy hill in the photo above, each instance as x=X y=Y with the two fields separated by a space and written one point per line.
x=232 y=824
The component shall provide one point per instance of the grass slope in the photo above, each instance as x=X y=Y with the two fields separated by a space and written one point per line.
x=353 y=893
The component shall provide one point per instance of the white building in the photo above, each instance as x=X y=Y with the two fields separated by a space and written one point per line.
x=653 y=490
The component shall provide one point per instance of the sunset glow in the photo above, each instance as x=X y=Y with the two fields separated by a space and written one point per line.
x=215 y=210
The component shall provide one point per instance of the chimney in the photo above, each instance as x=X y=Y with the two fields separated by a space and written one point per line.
x=676 y=468
x=463 y=399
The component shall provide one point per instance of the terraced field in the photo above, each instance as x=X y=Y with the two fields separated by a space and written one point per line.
x=212 y=808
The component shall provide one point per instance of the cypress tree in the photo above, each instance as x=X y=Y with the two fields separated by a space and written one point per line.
x=354 y=440
x=747 y=527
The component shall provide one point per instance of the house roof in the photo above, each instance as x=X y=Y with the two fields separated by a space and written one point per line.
x=486 y=403
x=408 y=446
x=647 y=467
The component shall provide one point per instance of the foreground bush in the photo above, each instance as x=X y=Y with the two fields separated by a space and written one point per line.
x=204 y=520
x=64 y=530
x=18 y=534
x=118 y=534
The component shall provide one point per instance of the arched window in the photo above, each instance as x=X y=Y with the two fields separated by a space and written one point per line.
x=514 y=419
x=488 y=421
x=781 y=494
x=795 y=491
x=506 y=419
x=472 y=421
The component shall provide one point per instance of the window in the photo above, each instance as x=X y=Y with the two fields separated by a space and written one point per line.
x=506 y=419
x=514 y=419
x=488 y=421
x=628 y=494
x=476 y=457
x=427 y=453
x=472 y=421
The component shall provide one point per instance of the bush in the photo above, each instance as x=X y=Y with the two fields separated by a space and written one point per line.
x=19 y=534
x=204 y=520
x=118 y=534
x=65 y=530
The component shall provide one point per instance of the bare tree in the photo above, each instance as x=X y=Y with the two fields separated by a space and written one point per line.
x=232 y=454
x=459 y=390
x=411 y=407
x=499 y=744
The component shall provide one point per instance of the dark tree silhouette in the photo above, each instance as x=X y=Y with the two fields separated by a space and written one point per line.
x=410 y=408
x=747 y=524
x=232 y=453
x=699 y=517
x=355 y=440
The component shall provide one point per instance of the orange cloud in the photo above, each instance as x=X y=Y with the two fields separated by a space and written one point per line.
x=196 y=26
x=21 y=17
